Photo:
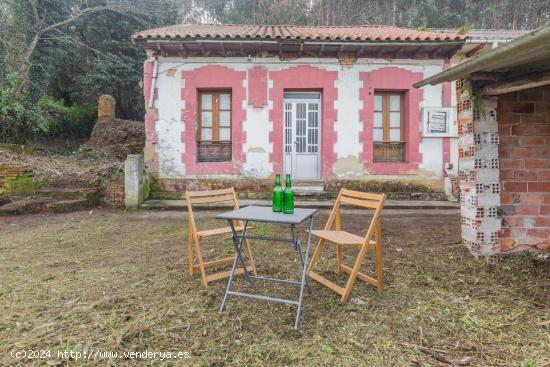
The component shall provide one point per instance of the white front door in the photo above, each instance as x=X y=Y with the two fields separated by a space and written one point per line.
x=302 y=135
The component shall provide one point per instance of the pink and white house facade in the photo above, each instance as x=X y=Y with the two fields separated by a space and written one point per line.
x=230 y=102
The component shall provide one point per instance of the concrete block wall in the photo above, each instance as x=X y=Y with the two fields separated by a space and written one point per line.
x=524 y=128
x=478 y=171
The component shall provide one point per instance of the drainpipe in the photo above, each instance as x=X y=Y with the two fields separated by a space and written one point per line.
x=153 y=82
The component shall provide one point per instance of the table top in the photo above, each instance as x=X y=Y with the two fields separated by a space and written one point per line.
x=266 y=214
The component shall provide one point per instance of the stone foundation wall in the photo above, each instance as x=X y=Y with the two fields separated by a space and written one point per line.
x=261 y=188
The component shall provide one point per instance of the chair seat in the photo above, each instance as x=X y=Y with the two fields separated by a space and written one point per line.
x=341 y=237
x=216 y=231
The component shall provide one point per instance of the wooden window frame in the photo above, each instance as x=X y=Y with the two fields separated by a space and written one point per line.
x=386 y=143
x=215 y=115
x=215 y=136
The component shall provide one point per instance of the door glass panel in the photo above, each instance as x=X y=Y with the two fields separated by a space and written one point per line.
x=377 y=119
x=288 y=128
x=378 y=134
x=225 y=134
x=206 y=119
x=225 y=118
x=225 y=101
x=206 y=101
x=206 y=134
x=395 y=103
x=395 y=119
x=378 y=103
x=300 y=110
x=395 y=135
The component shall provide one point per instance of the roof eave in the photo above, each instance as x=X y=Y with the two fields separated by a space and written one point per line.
x=520 y=48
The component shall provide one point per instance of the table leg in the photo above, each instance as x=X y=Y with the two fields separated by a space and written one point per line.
x=238 y=246
x=238 y=256
x=298 y=247
x=304 y=274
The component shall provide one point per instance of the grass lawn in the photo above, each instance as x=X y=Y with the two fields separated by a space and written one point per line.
x=116 y=281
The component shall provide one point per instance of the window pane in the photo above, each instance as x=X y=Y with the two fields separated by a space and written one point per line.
x=395 y=103
x=206 y=134
x=225 y=134
x=378 y=103
x=395 y=134
x=225 y=118
x=225 y=101
x=378 y=135
x=206 y=101
x=206 y=119
x=395 y=119
x=377 y=119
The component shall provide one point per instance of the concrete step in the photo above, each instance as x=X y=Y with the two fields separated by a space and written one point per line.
x=66 y=192
x=308 y=190
x=321 y=204
x=33 y=205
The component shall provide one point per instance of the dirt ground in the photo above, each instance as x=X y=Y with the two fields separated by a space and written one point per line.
x=111 y=280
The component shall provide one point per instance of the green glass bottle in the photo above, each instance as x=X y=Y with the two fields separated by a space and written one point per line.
x=277 y=203
x=288 y=198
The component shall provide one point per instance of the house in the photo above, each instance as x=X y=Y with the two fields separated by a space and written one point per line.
x=325 y=104
x=504 y=145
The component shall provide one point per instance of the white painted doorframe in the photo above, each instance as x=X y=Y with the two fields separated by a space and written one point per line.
x=302 y=131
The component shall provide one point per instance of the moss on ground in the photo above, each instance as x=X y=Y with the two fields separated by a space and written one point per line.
x=22 y=185
x=115 y=280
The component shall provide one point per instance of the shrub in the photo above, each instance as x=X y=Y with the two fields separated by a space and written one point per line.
x=75 y=121
x=20 y=118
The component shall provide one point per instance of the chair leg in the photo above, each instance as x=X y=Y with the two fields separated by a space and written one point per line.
x=339 y=258
x=201 y=261
x=250 y=257
x=190 y=252
x=353 y=275
x=315 y=255
x=379 y=270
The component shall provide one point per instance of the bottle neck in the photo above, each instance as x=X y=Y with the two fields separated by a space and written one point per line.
x=288 y=183
x=278 y=180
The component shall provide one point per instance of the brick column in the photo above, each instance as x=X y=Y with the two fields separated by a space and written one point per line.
x=478 y=171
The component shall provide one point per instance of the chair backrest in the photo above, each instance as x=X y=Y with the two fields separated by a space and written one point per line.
x=359 y=199
x=209 y=197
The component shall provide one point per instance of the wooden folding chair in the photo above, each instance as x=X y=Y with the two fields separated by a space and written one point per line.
x=194 y=236
x=345 y=239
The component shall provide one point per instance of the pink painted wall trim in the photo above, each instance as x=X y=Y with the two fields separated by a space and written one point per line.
x=257 y=87
x=304 y=77
x=213 y=77
x=446 y=102
x=398 y=80
x=150 y=116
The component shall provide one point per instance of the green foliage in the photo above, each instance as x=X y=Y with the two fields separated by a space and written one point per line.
x=20 y=118
x=463 y=30
x=75 y=121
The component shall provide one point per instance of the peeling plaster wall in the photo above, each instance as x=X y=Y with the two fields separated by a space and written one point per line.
x=169 y=126
x=257 y=125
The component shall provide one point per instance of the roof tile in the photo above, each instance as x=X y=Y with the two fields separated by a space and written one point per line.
x=321 y=33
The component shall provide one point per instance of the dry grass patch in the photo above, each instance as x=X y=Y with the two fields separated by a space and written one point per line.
x=114 y=280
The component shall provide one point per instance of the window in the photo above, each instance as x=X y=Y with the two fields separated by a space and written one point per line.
x=214 y=129
x=388 y=131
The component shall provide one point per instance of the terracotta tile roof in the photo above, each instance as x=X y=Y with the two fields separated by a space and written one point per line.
x=320 y=33
x=486 y=34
